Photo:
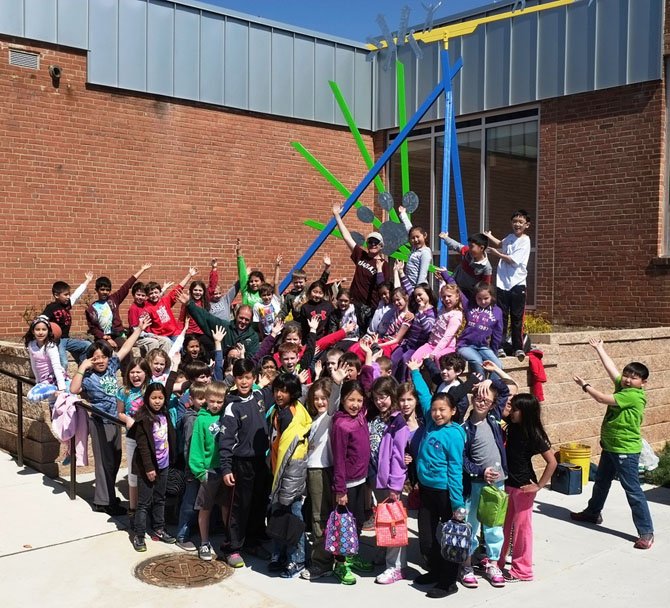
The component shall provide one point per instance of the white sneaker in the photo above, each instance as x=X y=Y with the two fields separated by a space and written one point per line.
x=390 y=575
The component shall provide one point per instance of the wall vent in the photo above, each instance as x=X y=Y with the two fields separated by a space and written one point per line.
x=24 y=59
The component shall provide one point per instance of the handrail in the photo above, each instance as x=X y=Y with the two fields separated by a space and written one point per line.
x=20 y=381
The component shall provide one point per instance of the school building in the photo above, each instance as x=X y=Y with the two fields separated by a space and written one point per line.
x=159 y=131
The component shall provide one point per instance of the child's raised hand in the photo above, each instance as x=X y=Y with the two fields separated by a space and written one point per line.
x=401 y=210
x=318 y=368
x=144 y=322
x=144 y=267
x=482 y=389
x=338 y=375
x=242 y=349
x=167 y=285
x=443 y=235
x=313 y=324
x=400 y=267
x=412 y=365
x=277 y=327
x=278 y=260
x=326 y=260
x=364 y=344
x=175 y=360
x=337 y=208
x=89 y=276
x=238 y=246
x=218 y=334
x=580 y=381
x=488 y=234
x=303 y=376
x=192 y=271
x=349 y=327
x=183 y=297
x=86 y=364
x=490 y=366
x=264 y=380
x=596 y=343
x=379 y=262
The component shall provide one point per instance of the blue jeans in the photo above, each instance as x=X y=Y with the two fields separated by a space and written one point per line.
x=626 y=467
x=476 y=355
x=187 y=509
x=76 y=347
x=292 y=553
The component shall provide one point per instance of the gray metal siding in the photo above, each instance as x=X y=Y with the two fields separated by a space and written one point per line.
x=573 y=49
x=189 y=50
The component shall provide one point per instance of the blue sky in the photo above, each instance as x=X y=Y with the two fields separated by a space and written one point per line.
x=353 y=19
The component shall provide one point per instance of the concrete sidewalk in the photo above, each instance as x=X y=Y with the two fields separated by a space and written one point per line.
x=57 y=552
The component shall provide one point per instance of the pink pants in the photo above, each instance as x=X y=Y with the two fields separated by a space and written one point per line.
x=427 y=350
x=519 y=515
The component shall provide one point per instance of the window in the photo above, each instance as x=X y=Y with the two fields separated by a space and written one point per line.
x=499 y=174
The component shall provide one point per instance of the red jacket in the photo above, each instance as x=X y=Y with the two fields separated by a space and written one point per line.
x=163 y=322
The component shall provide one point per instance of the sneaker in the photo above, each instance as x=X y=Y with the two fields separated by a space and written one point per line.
x=66 y=460
x=440 y=591
x=520 y=355
x=359 y=565
x=495 y=576
x=138 y=544
x=234 y=560
x=344 y=573
x=427 y=578
x=587 y=517
x=115 y=509
x=292 y=570
x=501 y=353
x=479 y=567
x=186 y=545
x=276 y=565
x=468 y=578
x=205 y=552
x=258 y=551
x=315 y=572
x=164 y=536
x=369 y=525
x=390 y=575
x=644 y=542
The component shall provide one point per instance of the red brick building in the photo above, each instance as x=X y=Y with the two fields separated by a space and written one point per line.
x=100 y=173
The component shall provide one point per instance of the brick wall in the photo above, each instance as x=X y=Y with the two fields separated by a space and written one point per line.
x=600 y=203
x=104 y=180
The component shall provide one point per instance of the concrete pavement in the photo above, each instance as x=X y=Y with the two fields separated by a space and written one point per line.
x=57 y=552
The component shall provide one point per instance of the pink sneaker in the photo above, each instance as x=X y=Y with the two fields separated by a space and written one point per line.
x=390 y=575
x=494 y=575
x=468 y=578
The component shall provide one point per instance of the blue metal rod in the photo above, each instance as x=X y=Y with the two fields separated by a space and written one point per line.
x=372 y=173
x=458 y=183
x=446 y=152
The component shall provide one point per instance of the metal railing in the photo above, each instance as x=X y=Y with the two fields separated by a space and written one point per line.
x=20 y=381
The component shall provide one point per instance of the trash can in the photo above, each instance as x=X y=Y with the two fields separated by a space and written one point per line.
x=578 y=454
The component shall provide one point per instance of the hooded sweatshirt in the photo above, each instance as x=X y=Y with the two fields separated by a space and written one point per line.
x=350 y=443
x=391 y=467
x=204 y=453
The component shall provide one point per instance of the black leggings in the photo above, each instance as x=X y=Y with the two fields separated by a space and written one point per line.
x=435 y=508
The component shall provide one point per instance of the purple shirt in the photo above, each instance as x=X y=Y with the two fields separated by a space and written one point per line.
x=160 y=431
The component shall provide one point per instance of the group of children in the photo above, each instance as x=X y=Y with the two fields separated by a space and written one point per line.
x=286 y=408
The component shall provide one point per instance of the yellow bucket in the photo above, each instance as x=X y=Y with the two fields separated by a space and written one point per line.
x=578 y=454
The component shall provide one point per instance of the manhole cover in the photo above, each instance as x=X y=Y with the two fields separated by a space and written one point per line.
x=174 y=570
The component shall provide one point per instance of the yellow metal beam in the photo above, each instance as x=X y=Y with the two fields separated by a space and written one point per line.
x=446 y=32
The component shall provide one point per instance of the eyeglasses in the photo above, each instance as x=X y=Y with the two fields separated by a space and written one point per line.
x=478 y=399
x=373 y=242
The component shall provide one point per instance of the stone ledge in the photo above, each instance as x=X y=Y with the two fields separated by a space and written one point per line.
x=607 y=335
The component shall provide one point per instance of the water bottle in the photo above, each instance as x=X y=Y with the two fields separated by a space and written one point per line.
x=498 y=470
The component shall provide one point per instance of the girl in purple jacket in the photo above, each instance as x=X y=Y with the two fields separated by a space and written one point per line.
x=389 y=460
x=350 y=444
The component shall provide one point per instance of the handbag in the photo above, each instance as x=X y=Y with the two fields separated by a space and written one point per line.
x=341 y=536
x=454 y=538
x=492 y=506
x=391 y=524
x=285 y=527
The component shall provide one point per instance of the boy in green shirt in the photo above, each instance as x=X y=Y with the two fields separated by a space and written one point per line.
x=621 y=443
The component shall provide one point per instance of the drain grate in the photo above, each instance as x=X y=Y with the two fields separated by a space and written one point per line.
x=178 y=571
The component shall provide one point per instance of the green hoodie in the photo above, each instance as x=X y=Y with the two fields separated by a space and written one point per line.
x=204 y=453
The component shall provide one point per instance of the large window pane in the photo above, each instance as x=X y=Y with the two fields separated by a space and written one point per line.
x=511 y=182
